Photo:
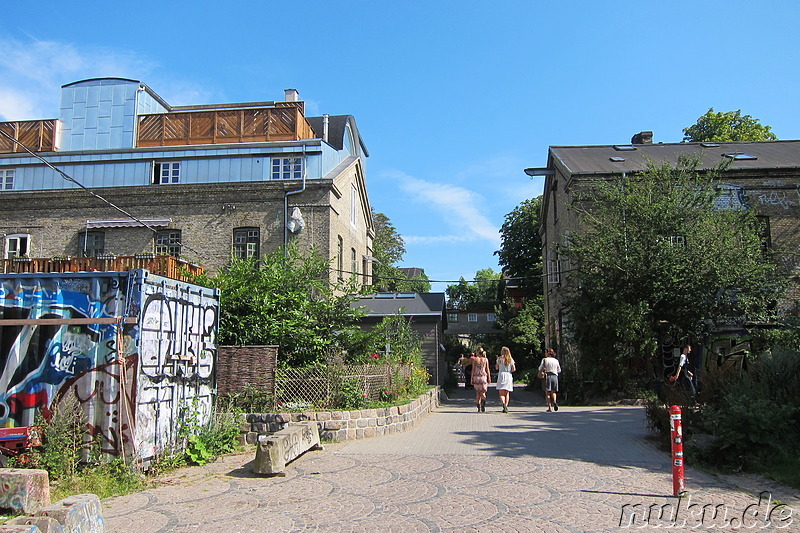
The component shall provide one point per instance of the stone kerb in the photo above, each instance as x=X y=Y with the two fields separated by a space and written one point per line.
x=345 y=425
x=276 y=450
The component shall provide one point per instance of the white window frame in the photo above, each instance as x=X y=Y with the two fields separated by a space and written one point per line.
x=353 y=205
x=173 y=243
x=452 y=317
x=166 y=172
x=17 y=245
x=491 y=317
x=246 y=242
x=553 y=272
x=472 y=317
x=286 y=167
x=7 y=179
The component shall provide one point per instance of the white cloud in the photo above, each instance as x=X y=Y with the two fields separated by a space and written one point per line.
x=459 y=207
x=32 y=73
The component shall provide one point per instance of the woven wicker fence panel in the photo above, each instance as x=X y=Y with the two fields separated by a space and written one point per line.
x=241 y=366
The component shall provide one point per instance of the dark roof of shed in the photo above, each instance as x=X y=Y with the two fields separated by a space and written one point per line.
x=597 y=159
x=336 y=129
x=412 y=272
x=417 y=304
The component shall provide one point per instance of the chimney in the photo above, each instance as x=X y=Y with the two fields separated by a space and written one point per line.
x=643 y=137
x=291 y=95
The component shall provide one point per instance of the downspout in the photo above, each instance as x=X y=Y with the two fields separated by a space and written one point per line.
x=286 y=203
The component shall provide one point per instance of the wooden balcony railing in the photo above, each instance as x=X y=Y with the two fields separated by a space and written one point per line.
x=284 y=122
x=38 y=135
x=162 y=265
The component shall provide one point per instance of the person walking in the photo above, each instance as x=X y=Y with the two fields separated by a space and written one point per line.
x=552 y=369
x=505 y=380
x=688 y=374
x=480 y=377
x=466 y=363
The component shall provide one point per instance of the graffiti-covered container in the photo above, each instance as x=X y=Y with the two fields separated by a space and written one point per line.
x=136 y=352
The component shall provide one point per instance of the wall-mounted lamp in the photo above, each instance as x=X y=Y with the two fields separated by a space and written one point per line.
x=539 y=172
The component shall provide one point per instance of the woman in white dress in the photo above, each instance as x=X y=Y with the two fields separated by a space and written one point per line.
x=505 y=381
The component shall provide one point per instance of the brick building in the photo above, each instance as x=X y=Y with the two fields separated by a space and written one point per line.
x=199 y=182
x=764 y=176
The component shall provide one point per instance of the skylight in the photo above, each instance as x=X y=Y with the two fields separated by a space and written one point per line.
x=616 y=159
x=624 y=147
x=709 y=145
x=740 y=156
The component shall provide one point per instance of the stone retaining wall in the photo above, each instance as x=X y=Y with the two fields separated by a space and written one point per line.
x=346 y=425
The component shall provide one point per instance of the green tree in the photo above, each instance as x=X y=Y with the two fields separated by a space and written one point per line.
x=657 y=256
x=388 y=249
x=484 y=290
x=286 y=300
x=727 y=126
x=520 y=255
x=520 y=252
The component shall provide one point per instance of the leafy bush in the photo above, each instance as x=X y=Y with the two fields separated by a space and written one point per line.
x=250 y=400
x=750 y=420
x=352 y=394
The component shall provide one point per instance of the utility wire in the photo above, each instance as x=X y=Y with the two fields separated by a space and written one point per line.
x=76 y=182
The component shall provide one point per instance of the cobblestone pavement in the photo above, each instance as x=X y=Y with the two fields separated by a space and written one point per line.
x=581 y=469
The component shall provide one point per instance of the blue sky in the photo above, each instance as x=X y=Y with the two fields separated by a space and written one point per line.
x=453 y=98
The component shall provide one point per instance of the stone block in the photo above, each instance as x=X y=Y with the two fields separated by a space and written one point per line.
x=45 y=524
x=333 y=425
x=276 y=450
x=81 y=513
x=24 y=491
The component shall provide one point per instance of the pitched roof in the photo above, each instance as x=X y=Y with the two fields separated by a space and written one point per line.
x=336 y=130
x=615 y=159
x=387 y=304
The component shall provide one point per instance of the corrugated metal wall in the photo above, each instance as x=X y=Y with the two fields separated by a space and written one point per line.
x=135 y=384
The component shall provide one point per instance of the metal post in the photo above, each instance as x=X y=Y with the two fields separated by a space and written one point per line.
x=676 y=434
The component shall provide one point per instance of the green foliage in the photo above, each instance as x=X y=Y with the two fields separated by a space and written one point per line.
x=727 y=126
x=523 y=330
x=196 y=451
x=250 y=400
x=74 y=467
x=204 y=442
x=418 y=382
x=62 y=442
x=658 y=256
x=392 y=341
x=750 y=420
x=286 y=299
x=483 y=291
x=106 y=479
x=520 y=252
x=352 y=394
x=388 y=249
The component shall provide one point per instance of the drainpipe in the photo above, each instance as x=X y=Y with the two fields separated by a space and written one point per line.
x=286 y=203
x=325 y=123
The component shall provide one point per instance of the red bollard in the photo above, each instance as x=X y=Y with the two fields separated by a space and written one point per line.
x=676 y=434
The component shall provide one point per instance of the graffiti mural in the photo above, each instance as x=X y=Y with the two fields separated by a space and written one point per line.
x=135 y=350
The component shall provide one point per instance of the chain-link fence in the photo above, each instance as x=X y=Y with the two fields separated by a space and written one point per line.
x=337 y=385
